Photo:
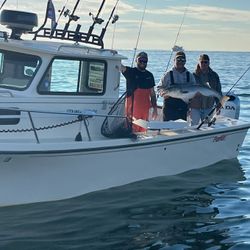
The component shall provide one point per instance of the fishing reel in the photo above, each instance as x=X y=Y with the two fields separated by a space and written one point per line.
x=71 y=17
x=97 y=20
x=212 y=122
x=115 y=19
x=211 y=119
x=66 y=13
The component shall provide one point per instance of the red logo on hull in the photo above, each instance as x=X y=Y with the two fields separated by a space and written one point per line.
x=219 y=138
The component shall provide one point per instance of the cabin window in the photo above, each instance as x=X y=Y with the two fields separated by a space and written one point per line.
x=17 y=69
x=74 y=77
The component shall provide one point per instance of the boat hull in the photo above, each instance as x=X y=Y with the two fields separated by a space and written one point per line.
x=36 y=176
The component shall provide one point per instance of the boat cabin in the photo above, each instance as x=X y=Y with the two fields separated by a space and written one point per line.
x=62 y=77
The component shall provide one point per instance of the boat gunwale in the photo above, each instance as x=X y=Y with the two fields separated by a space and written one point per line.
x=132 y=144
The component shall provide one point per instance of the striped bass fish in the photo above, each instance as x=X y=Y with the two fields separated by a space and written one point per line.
x=187 y=91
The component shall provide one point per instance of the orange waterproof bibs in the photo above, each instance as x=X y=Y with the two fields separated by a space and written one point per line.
x=140 y=108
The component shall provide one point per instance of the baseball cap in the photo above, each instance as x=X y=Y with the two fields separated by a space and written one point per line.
x=204 y=57
x=180 y=54
x=142 y=55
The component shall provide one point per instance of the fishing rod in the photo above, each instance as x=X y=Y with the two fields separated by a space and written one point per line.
x=221 y=103
x=178 y=33
x=177 y=36
x=115 y=19
x=3 y=4
x=139 y=33
x=62 y=12
x=113 y=36
x=96 y=20
x=71 y=16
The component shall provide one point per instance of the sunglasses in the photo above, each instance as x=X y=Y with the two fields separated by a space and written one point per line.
x=181 y=60
x=145 y=61
x=205 y=62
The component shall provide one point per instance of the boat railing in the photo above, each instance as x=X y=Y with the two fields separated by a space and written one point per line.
x=69 y=35
x=80 y=117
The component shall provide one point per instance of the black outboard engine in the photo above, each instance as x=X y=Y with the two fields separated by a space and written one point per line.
x=19 y=22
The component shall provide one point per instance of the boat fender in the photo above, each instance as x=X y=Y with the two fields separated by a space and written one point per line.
x=232 y=107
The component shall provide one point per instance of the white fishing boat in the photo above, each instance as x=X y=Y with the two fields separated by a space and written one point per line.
x=177 y=48
x=55 y=102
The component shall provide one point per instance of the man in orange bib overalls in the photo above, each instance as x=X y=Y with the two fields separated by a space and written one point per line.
x=140 y=91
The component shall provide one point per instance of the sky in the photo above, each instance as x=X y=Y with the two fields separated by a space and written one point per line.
x=207 y=25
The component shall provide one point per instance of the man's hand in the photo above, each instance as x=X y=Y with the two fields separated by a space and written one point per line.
x=121 y=68
x=165 y=96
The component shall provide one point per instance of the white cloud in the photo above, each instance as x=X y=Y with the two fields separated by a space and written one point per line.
x=204 y=25
x=207 y=13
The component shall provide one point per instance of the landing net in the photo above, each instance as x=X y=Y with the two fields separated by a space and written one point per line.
x=116 y=124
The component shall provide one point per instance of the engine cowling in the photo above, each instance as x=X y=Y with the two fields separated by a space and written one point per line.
x=232 y=107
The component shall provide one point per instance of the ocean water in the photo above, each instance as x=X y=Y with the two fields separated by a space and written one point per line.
x=208 y=208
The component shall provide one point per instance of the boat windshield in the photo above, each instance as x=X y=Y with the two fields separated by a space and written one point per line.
x=17 y=69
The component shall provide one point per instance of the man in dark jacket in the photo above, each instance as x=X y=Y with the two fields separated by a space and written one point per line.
x=201 y=105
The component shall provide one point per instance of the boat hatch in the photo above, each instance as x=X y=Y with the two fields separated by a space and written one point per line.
x=17 y=69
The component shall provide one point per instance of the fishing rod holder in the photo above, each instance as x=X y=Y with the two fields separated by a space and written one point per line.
x=74 y=18
x=76 y=36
